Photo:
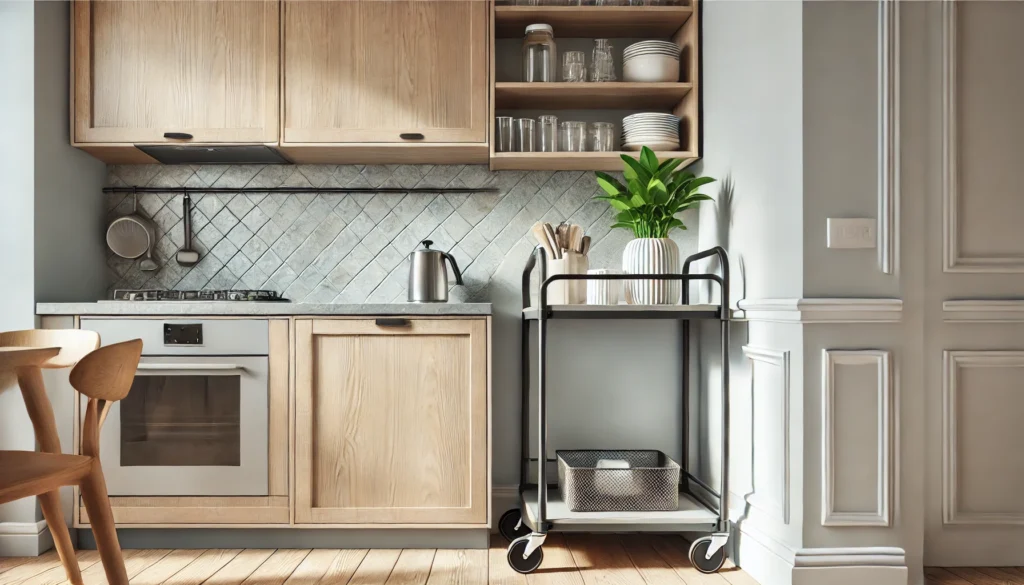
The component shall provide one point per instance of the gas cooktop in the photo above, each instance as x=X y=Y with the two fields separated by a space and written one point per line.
x=196 y=295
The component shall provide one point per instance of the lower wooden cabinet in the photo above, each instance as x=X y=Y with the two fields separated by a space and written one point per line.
x=391 y=422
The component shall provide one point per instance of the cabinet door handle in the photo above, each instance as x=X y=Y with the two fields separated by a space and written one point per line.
x=178 y=135
x=411 y=136
x=392 y=322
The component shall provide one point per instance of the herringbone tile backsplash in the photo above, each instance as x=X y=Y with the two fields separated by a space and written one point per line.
x=350 y=248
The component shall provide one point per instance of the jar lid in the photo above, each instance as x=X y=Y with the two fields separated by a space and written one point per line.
x=540 y=27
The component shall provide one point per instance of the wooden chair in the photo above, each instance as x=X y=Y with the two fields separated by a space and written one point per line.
x=104 y=375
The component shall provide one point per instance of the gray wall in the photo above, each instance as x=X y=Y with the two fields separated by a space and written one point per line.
x=69 y=247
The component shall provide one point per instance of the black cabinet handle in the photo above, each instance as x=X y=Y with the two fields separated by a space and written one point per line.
x=411 y=136
x=392 y=322
x=178 y=135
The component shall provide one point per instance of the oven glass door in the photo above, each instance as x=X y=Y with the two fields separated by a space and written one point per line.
x=190 y=426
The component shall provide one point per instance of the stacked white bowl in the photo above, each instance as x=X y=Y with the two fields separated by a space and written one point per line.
x=653 y=130
x=651 y=61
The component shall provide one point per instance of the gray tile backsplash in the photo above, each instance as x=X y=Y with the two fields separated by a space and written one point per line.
x=325 y=247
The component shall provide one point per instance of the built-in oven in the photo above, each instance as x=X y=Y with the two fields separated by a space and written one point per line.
x=195 y=422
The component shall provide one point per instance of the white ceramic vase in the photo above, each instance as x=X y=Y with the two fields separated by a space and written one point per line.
x=651 y=256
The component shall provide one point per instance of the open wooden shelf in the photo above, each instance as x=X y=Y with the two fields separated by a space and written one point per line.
x=597 y=96
x=575 y=161
x=593 y=21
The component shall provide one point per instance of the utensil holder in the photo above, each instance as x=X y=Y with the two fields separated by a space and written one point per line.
x=568 y=292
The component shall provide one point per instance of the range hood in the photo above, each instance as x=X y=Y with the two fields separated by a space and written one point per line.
x=178 y=154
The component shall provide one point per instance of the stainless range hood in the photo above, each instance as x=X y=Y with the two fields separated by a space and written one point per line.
x=178 y=154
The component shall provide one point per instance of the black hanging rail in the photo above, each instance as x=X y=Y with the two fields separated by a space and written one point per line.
x=296 y=190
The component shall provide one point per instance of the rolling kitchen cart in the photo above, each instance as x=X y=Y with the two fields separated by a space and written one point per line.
x=542 y=507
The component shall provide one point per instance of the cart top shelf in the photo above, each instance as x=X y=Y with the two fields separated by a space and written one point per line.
x=679 y=312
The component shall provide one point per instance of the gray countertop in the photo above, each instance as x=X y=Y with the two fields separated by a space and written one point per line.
x=126 y=308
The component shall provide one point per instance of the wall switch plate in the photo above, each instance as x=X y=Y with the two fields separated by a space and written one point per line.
x=851 y=232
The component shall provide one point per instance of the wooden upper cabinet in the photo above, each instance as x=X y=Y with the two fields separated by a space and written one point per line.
x=146 y=67
x=391 y=422
x=368 y=71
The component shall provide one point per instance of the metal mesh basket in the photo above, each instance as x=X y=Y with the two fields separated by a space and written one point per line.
x=650 y=483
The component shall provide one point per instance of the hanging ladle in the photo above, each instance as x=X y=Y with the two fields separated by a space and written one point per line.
x=186 y=256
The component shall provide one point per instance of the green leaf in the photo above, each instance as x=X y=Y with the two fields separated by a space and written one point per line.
x=649 y=160
x=620 y=224
x=609 y=180
x=619 y=204
x=659 y=194
x=666 y=167
x=698 y=183
x=641 y=173
x=609 y=188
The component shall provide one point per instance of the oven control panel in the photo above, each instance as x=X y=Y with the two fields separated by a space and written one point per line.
x=183 y=333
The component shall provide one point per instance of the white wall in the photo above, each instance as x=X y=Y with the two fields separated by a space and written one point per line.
x=17 y=292
x=51 y=215
x=753 y=143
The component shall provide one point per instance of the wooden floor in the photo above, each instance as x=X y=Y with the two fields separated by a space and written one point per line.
x=971 y=576
x=568 y=560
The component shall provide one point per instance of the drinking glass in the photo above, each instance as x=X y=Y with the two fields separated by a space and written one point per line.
x=547 y=132
x=504 y=131
x=601 y=137
x=572 y=136
x=574 y=66
x=602 y=66
x=525 y=135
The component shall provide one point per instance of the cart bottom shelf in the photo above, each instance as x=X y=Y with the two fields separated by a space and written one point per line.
x=690 y=513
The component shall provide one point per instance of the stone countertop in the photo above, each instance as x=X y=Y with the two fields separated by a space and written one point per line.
x=200 y=308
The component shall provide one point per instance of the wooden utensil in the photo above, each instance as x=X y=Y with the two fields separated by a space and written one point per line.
x=585 y=245
x=541 y=235
x=563 y=235
x=576 y=238
x=552 y=240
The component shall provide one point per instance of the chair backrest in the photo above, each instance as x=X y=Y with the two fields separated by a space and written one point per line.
x=107 y=373
x=74 y=344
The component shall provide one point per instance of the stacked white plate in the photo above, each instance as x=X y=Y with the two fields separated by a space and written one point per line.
x=653 y=130
x=651 y=61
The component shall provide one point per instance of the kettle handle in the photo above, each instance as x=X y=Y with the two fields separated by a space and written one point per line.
x=455 y=267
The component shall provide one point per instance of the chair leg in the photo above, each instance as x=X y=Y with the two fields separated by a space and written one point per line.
x=50 y=503
x=94 y=496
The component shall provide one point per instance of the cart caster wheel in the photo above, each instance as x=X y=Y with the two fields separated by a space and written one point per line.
x=511 y=525
x=516 y=560
x=698 y=556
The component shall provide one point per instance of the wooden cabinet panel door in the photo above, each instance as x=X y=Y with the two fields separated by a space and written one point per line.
x=391 y=422
x=370 y=71
x=202 y=67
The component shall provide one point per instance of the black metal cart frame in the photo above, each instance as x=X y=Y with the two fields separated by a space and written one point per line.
x=534 y=509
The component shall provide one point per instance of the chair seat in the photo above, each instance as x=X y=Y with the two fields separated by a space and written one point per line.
x=29 y=473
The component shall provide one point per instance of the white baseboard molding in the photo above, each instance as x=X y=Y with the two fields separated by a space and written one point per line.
x=24 y=539
x=850 y=566
x=766 y=560
x=820 y=310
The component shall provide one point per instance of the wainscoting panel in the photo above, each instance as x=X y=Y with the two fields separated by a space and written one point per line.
x=769 y=415
x=983 y=467
x=857 y=425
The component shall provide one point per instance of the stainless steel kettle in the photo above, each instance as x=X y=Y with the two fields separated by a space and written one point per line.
x=428 y=276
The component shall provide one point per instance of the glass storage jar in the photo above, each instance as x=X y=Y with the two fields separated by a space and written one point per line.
x=540 y=58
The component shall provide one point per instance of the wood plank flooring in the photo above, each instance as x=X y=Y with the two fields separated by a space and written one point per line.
x=972 y=576
x=576 y=559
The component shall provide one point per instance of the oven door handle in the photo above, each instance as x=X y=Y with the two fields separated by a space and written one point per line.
x=220 y=369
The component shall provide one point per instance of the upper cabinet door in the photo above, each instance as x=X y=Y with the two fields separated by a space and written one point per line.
x=143 y=68
x=371 y=71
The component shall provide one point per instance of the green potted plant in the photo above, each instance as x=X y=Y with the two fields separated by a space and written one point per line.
x=648 y=205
